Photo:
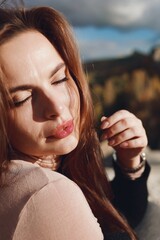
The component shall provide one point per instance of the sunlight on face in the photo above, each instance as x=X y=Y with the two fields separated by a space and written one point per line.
x=45 y=117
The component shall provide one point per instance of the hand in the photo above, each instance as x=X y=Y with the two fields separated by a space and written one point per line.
x=126 y=134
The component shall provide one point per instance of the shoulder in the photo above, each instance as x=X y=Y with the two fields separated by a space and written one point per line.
x=30 y=175
x=42 y=183
x=24 y=184
x=58 y=210
x=23 y=180
x=27 y=182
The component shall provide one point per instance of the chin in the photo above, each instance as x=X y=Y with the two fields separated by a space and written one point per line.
x=67 y=146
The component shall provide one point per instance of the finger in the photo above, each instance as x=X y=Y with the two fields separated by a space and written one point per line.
x=127 y=123
x=103 y=118
x=119 y=115
x=126 y=135
x=104 y=122
x=140 y=142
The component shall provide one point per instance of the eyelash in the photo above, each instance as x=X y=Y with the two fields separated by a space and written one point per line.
x=60 y=81
x=20 y=103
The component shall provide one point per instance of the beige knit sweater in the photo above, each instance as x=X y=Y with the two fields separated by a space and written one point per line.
x=40 y=204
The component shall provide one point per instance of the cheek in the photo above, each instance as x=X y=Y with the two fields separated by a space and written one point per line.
x=22 y=137
x=74 y=102
x=11 y=128
x=75 y=107
x=14 y=130
x=17 y=125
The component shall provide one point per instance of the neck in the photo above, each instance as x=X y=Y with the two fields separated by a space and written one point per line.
x=46 y=161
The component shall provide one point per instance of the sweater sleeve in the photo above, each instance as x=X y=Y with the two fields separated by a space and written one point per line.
x=58 y=211
x=130 y=196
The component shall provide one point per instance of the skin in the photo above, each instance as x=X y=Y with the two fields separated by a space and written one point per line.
x=126 y=134
x=30 y=59
x=50 y=99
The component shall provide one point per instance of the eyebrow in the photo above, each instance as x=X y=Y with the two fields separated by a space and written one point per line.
x=29 y=86
x=20 y=88
x=57 y=68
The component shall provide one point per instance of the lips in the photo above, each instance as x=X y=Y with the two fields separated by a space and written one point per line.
x=63 y=130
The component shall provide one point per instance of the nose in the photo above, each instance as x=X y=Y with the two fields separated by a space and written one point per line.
x=51 y=105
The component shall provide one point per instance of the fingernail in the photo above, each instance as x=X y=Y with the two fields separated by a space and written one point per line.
x=103 y=118
x=104 y=125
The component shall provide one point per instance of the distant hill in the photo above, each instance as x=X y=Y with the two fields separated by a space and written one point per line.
x=106 y=68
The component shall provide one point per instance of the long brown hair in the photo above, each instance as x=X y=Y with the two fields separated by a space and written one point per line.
x=84 y=164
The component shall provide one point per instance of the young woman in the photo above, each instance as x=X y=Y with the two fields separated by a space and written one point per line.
x=49 y=150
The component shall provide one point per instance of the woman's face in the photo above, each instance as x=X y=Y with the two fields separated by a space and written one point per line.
x=45 y=117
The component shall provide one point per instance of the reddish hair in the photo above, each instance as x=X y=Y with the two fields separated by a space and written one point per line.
x=84 y=164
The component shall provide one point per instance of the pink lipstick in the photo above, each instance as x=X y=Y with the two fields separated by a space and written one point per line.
x=63 y=130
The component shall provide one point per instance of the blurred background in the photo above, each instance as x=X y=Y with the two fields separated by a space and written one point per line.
x=119 y=42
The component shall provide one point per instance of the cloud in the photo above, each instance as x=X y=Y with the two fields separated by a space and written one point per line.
x=124 y=14
x=101 y=48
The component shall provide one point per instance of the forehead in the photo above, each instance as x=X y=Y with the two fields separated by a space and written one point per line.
x=27 y=53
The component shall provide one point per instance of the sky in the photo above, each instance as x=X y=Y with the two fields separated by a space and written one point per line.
x=110 y=28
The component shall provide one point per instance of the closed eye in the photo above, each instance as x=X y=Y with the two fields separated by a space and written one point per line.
x=20 y=103
x=60 y=81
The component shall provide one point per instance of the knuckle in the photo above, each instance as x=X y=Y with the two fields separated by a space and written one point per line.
x=134 y=131
x=141 y=142
x=138 y=142
x=123 y=136
x=145 y=141
x=140 y=122
x=111 y=131
x=123 y=112
x=124 y=122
